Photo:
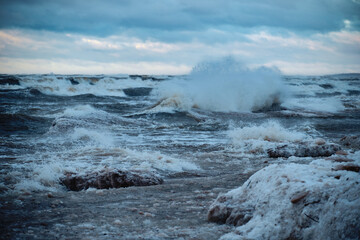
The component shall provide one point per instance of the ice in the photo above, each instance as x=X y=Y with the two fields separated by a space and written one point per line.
x=295 y=201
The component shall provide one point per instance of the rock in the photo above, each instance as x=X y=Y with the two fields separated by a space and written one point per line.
x=339 y=159
x=106 y=179
x=326 y=86
x=320 y=141
x=145 y=77
x=35 y=92
x=304 y=151
x=92 y=80
x=9 y=80
x=351 y=142
x=73 y=81
x=341 y=152
x=350 y=167
x=297 y=197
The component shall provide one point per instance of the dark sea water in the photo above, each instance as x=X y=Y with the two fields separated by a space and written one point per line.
x=200 y=136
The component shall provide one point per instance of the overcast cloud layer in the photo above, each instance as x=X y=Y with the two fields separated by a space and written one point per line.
x=171 y=36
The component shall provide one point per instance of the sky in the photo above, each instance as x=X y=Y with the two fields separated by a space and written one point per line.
x=307 y=37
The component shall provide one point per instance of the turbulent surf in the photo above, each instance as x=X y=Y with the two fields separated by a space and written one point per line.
x=195 y=134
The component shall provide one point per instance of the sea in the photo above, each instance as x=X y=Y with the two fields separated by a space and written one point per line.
x=203 y=133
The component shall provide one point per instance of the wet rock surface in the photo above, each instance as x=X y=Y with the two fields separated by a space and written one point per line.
x=304 y=151
x=348 y=167
x=73 y=81
x=146 y=77
x=106 y=179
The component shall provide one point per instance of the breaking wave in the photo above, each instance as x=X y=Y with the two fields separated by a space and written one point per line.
x=225 y=86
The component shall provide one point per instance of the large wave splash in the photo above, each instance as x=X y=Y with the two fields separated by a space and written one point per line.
x=226 y=86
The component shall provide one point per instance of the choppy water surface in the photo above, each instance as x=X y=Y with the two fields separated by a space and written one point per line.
x=200 y=126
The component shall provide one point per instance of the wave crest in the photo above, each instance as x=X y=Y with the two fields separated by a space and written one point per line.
x=225 y=86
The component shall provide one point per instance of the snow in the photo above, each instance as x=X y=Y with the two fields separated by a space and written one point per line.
x=296 y=201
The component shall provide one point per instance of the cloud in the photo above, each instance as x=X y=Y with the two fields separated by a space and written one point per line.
x=104 y=18
x=66 y=66
x=289 y=41
x=319 y=53
x=178 y=34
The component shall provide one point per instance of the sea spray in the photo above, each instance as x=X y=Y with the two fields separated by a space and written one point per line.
x=225 y=85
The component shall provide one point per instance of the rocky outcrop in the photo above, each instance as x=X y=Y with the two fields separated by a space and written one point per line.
x=9 y=80
x=73 y=81
x=146 y=77
x=348 y=167
x=324 y=150
x=351 y=142
x=106 y=179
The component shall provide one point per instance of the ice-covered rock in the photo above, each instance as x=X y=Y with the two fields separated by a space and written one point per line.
x=106 y=179
x=305 y=150
x=294 y=201
x=351 y=142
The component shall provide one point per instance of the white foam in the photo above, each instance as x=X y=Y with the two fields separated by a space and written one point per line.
x=10 y=87
x=100 y=137
x=99 y=86
x=327 y=105
x=44 y=173
x=269 y=131
x=225 y=86
x=81 y=110
x=259 y=138
x=156 y=160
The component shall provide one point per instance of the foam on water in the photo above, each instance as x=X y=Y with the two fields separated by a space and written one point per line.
x=327 y=105
x=45 y=176
x=225 y=86
x=81 y=134
x=81 y=110
x=78 y=85
x=322 y=94
x=269 y=131
x=259 y=138
x=82 y=150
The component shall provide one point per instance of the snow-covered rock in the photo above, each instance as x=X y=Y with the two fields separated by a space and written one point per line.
x=295 y=201
x=351 y=142
x=305 y=150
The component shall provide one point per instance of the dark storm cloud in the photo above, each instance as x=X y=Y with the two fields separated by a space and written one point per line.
x=156 y=17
